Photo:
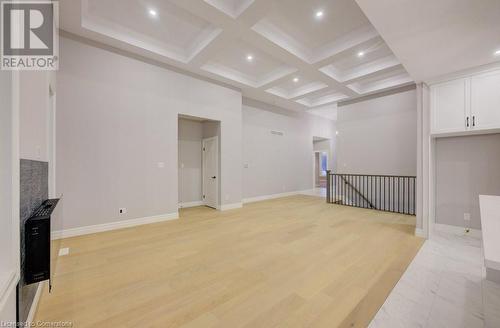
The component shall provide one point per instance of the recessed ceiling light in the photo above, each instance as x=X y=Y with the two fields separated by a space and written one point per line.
x=249 y=58
x=497 y=53
x=153 y=13
x=319 y=14
x=361 y=54
x=295 y=79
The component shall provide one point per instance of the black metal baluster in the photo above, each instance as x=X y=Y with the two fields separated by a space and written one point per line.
x=358 y=202
x=414 y=196
x=352 y=190
x=399 y=194
x=327 y=187
x=407 y=195
x=365 y=189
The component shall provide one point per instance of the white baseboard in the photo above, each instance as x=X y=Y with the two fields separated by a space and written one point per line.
x=456 y=230
x=191 y=204
x=112 y=226
x=8 y=285
x=233 y=206
x=273 y=196
x=420 y=233
x=34 y=305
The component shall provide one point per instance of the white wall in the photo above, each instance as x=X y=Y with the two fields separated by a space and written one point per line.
x=278 y=164
x=322 y=145
x=6 y=260
x=33 y=114
x=378 y=136
x=116 y=119
x=465 y=168
x=190 y=179
x=8 y=263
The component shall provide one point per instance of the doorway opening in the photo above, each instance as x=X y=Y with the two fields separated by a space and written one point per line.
x=321 y=163
x=321 y=166
x=198 y=162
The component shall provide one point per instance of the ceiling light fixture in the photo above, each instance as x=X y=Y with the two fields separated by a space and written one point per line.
x=295 y=79
x=361 y=54
x=249 y=58
x=153 y=13
x=497 y=53
x=319 y=14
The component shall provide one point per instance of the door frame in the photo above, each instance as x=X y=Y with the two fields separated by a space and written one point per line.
x=51 y=141
x=216 y=138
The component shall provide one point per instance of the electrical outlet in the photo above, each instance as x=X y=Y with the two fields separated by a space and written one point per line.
x=467 y=222
x=122 y=210
x=63 y=251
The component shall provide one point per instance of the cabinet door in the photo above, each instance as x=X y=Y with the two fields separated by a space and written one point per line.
x=485 y=100
x=449 y=109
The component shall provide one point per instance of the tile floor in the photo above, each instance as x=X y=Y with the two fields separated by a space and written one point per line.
x=444 y=286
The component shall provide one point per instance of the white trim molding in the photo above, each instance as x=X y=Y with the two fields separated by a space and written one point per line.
x=112 y=226
x=233 y=206
x=420 y=233
x=8 y=286
x=191 y=204
x=456 y=230
x=34 y=304
x=273 y=196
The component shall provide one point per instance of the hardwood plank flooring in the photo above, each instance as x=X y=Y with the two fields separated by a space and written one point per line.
x=288 y=262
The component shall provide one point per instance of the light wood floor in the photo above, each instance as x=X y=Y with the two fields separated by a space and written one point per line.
x=289 y=262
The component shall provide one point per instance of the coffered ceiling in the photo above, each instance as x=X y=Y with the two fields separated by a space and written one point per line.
x=297 y=54
x=437 y=38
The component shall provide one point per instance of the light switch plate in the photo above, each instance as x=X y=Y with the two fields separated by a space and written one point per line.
x=161 y=165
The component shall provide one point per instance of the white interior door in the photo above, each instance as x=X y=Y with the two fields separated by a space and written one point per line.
x=211 y=172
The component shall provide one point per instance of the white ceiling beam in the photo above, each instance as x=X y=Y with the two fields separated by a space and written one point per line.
x=255 y=12
x=211 y=49
x=311 y=93
x=278 y=81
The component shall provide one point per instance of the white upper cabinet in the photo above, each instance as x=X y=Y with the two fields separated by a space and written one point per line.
x=485 y=101
x=470 y=104
x=449 y=106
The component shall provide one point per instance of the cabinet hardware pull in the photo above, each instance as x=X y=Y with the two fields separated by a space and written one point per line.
x=467 y=121
x=473 y=120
